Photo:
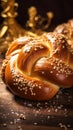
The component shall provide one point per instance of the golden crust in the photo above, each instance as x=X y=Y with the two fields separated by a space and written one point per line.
x=28 y=87
x=54 y=70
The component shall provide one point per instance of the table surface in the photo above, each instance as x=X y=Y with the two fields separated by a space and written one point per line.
x=21 y=114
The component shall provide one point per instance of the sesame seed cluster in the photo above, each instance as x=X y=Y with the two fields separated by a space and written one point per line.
x=61 y=68
x=23 y=84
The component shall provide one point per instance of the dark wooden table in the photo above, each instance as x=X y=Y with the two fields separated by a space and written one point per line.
x=20 y=114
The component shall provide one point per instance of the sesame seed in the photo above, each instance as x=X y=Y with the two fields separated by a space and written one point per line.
x=42 y=72
x=51 y=72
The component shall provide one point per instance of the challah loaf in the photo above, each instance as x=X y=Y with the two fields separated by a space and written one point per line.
x=36 y=67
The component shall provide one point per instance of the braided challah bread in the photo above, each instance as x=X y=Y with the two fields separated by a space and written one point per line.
x=36 y=67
